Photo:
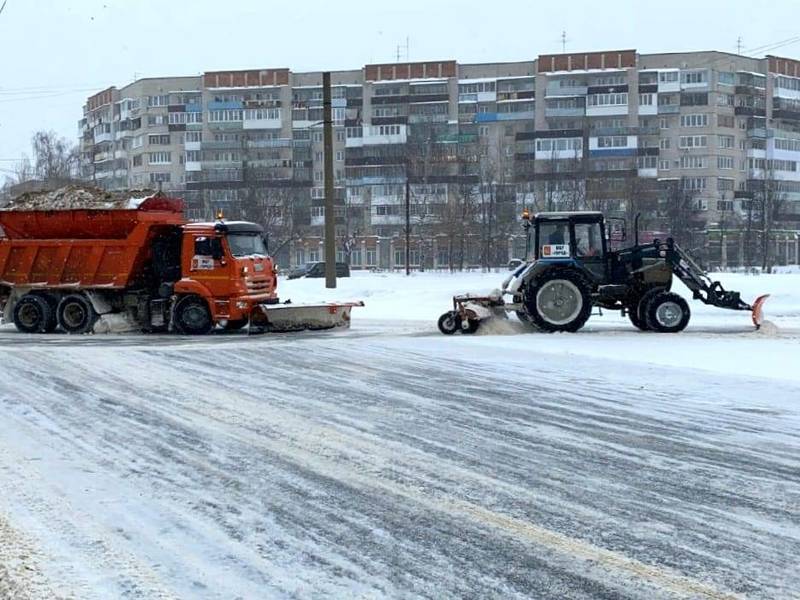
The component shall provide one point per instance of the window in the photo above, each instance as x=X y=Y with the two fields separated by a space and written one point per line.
x=222 y=116
x=788 y=83
x=559 y=144
x=694 y=77
x=694 y=162
x=694 y=183
x=177 y=118
x=159 y=177
x=553 y=234
x=725 y=162
x=160 y=158
x=388 y=129
x=787 y=144
x=663 y=165
x=694 y=120
x=664 y=143
x=386 y=111
x=615 y=141
x=694 y=99
x=667 y=76
x=194 y=117
x=137 y=160
x=158 y=100
x=725 y=141
x=646 y=99
x=725 y=185
x=475 y=88
x=354 y=132
x=137 y=142
x=162 y=140
x=340 y=135
x=318 y=176
x=483 y=130
x=588 y=240
x=663 y=123
x=723 y=205
x=608 y=99
x=693 y=141
x=340 y=155
x=317 y=211
x=372 y=257
x=193 y=156
x=157 y=120
x=726 y=78
x=725 y=99
x=726 y=121
x=609 y=80
x=647 y=162
x=260 y=114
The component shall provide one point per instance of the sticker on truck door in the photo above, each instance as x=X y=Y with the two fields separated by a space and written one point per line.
x=202 y=263
x=555 y=251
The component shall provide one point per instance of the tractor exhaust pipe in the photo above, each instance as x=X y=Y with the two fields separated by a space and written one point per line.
x=636 y=228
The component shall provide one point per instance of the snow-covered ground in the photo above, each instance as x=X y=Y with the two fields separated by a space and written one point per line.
x=392 y=461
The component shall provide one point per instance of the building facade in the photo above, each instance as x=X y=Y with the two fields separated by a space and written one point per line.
x=705 y=145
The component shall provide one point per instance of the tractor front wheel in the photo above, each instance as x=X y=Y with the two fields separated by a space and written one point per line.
x=667 y=313
x=559 y=300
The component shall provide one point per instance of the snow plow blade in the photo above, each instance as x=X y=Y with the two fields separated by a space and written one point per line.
x=267 y=318
x=758 y=310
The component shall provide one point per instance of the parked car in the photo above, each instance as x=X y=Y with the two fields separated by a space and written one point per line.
x=317 y=269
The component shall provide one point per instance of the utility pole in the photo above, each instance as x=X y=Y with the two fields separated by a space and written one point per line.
x=408 y=222
x=330 y=219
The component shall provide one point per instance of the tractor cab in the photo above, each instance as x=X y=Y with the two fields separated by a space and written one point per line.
x=577 y=238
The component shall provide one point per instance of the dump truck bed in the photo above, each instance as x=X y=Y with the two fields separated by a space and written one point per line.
x=82 y=248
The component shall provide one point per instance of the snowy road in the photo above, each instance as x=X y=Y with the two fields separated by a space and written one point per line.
x=373 y=463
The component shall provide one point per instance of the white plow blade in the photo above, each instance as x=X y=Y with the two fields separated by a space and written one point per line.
x=298 y=317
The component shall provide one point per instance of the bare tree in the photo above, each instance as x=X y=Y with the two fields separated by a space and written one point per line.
x=678 y=208
x=54 y=157
x=771 y=201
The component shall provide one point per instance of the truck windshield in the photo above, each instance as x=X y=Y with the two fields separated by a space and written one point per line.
x=246 y=244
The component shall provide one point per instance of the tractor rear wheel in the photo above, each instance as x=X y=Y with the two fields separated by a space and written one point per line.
x=192 y=316
x=559 y=300
x=33 y=314
x=76 y=314
x=667 y=313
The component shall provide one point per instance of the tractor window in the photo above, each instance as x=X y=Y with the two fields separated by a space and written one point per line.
x=554 y=239
x=588 y=240
x=205 y=246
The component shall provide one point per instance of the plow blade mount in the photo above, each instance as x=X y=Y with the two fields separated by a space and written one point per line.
x=758 y=310
x=299 y=317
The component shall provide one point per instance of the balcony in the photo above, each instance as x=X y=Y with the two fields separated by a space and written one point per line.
x=565 y=112
x=555 y=91
x=214 y=105
x=516 y=116
x=669 y=109
x=214 y=145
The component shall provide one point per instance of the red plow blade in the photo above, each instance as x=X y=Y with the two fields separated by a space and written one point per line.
x=757 y=310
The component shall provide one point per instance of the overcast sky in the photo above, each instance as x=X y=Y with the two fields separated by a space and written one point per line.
x=54 y=53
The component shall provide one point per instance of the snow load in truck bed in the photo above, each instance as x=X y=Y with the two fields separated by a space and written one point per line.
x=73 y=197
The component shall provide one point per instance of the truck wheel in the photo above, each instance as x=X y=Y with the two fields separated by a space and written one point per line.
x=449 y=323
x=76 y=314
x=32 y=314
x=235 y=325
x=559 y=300
x=667 y=312
x=192 y=316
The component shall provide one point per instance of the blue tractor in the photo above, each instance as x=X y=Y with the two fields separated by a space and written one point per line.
x=574 y=269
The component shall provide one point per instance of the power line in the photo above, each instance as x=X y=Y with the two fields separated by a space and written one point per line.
x=3 y=7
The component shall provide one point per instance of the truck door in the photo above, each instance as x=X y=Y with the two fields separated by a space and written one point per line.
x=209 y=265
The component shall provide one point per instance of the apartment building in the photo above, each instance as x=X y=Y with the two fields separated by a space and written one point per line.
x=697 y=142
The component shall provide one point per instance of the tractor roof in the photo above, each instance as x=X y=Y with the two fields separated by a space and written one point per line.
x=560 y=216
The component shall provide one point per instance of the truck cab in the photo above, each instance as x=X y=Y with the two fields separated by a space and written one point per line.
x=227 y=265
x=572 y=238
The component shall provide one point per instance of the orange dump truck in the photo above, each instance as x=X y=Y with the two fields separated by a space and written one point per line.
x=68 y=269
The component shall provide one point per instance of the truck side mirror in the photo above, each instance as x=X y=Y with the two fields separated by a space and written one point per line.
x=265 y=237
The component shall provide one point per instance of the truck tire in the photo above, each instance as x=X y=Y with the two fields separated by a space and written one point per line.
x=559 y=300
x=76 y=314
x=33 y=314
x=235 y=324
x=667 y=313
x=192 y=316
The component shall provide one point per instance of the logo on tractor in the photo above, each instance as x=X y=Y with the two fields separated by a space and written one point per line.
x=555 y=250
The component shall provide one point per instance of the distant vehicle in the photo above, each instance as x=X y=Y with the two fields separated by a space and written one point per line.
x=515 y=263
x=317 y=269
